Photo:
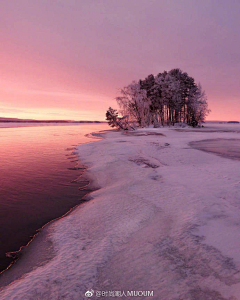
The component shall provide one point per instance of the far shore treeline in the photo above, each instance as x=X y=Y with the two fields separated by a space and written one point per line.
x=168 y=98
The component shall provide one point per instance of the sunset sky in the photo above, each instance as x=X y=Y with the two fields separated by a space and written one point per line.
x=68 y=59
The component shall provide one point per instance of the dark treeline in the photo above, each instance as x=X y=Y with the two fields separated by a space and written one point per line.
x=168 y=98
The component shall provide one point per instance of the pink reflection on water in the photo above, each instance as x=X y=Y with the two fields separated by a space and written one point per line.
x=36 y=174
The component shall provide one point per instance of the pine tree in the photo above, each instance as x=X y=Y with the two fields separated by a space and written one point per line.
x=112 y=117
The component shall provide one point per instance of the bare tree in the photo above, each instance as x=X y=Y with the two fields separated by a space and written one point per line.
x=135 y=103
x=199 y=106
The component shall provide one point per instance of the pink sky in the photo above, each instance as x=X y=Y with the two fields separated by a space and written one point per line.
x=67 y=59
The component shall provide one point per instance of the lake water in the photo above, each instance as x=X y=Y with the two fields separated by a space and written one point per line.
x=228 y=148
x=39 y=178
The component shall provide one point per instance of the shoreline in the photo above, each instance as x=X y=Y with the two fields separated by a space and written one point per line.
x=219 y=147
x=39 y=250
x=148 y=226
x=39 y=124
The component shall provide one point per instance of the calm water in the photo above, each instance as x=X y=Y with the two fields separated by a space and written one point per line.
x=229 y=148
x=37 y=179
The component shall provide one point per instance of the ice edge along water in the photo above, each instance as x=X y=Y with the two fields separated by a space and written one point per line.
x=166 y=218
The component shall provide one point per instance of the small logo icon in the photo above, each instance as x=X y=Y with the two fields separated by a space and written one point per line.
x=89 y=294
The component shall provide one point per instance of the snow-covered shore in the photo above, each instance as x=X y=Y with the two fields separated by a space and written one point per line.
x=165 y=218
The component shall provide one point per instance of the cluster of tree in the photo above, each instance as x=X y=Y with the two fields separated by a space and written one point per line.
x=168 y=98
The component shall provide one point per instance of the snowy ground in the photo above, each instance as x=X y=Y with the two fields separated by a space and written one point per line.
x=165 y=218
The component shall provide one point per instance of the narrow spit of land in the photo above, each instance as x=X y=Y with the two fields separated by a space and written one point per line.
x=165 y=218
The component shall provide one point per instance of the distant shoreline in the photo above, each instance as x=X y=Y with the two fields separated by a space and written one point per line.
x=21 y=124
x=51 y=121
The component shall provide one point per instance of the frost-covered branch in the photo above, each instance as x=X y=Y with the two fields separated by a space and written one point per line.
x=165 y=99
